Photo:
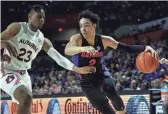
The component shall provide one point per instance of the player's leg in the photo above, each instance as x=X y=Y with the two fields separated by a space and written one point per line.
x=110 y=91
x=27 y=82
x=24 y=97
x=97 y=98
x=16 y=88
x=165 y=107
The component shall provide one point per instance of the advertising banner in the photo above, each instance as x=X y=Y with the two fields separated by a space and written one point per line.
x=136 y=104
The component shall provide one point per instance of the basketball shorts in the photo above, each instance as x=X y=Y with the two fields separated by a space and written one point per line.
x=10 y=80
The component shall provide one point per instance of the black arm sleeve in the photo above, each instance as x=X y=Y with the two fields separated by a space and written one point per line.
x=131 y=48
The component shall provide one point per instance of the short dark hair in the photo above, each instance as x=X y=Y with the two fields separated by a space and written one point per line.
x=94 y=18
x=36 y=8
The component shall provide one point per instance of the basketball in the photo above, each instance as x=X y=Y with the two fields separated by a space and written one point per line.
x=146 y=63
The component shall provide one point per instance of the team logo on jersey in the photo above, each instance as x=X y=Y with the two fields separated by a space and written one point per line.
x=27 y=42
x=90 y=55
x=98 y=48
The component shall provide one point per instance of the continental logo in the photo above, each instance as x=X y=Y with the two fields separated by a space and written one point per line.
x=79 y=107
x=91 y=55
x=36 y=107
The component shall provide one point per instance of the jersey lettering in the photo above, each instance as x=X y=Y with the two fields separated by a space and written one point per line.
x=23 y=52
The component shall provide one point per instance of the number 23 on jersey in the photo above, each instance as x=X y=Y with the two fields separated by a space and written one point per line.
x=24 y=55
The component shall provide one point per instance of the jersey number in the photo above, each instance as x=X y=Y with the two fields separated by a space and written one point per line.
x=92 y=62
x=22 y=53
x=10 y=79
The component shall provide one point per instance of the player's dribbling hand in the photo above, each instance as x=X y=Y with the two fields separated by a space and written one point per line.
x=163 y=61
x=154 y=53
x=6 y=58
x=11 y=48
x=88 y=49
x=85 y=70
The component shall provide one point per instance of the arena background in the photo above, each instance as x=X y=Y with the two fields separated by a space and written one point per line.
x=133 y=22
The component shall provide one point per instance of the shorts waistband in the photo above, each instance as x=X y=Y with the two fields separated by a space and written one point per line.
x=20 y=71
x=4 y=71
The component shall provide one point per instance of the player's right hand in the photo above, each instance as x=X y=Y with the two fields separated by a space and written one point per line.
x=163 y=61
x=88 y=49
x=6 y=58
x=85 y=70
x=154 y=53
x=11 y=48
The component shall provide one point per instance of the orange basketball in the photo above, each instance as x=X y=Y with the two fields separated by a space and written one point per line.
x=146 y=63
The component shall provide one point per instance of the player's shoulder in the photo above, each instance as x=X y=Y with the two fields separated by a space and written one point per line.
x=76 y=37
x=14 y=26
x=105 y=37
x=13 y=29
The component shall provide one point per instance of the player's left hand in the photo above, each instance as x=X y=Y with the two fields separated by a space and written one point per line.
x=163 y=61
x=154 y=53
x=85 y=69
x=6 y=58
x=11 y=48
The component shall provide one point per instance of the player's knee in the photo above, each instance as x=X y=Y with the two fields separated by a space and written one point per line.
x=23 y=96
x=165 y=104
x=119 y=106
x=122 y=112
x=25 y=99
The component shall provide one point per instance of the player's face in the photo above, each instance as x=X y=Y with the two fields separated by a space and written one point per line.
x=37 y=19
x=87 y=28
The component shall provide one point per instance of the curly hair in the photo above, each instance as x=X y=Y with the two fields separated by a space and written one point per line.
x=94 y=18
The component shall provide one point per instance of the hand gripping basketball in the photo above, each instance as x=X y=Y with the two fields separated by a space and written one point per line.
x=146 y=63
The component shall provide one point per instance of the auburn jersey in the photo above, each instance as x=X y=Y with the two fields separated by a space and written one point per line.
x=28 y=44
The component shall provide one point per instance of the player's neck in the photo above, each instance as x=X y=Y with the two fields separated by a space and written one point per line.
x=31 y=28
x=91 y=39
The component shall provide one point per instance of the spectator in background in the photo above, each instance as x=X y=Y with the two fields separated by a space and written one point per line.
x=74 y=87
x=66 y=89
x=58 y=87
x=133 y=85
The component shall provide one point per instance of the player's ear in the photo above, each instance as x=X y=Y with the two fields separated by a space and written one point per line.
x=29 y=16
x=94 y=25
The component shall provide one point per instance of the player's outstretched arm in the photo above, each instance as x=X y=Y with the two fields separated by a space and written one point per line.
x=12 y=30
x=62 y=61
x=110 y=42
x=164 y=61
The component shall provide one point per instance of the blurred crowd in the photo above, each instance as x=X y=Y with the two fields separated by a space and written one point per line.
x=112 y=13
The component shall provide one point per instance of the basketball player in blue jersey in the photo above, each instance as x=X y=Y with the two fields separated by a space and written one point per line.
x=87 y=48
x=22 y=42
